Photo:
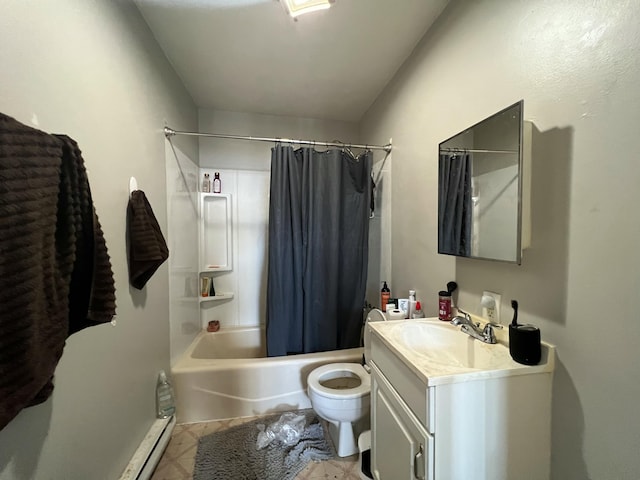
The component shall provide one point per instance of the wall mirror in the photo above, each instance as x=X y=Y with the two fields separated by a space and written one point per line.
x=480 y=189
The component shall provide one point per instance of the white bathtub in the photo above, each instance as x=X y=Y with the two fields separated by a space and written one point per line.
x=225 y=375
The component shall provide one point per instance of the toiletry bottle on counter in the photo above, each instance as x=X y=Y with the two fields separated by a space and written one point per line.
x=217 y=184
x=412 y=303
x=385 y=293
x=206 y=184
x=165 y=406
x=418 y=313
x=444 y=305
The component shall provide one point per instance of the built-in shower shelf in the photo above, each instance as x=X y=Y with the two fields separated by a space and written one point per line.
x=215 y=232
x=217 y=298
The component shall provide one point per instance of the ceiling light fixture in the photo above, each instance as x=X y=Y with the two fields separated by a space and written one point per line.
x=299 y=7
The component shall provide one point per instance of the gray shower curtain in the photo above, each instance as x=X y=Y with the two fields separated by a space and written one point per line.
x=318 y=249
x=454 y=204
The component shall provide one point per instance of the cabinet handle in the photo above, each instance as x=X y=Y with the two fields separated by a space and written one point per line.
x=417 y=463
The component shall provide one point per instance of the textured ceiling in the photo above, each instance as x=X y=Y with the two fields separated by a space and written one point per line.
x=249 y=56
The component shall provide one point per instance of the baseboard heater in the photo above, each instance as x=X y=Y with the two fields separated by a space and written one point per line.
x=148 y=454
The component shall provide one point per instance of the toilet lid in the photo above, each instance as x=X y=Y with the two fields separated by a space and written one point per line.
x=336 y=371
x=374 y=315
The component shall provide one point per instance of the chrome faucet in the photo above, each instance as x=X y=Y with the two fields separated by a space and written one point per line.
x=486 y=335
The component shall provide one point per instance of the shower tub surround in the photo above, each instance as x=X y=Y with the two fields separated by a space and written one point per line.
x=226 y=374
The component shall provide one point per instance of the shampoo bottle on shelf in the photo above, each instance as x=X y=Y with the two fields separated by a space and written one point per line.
x=217 y=183
x=385 y=293
x=206 y=184
x=165 y=406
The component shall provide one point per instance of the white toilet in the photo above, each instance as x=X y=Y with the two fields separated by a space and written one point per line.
x=340 y=393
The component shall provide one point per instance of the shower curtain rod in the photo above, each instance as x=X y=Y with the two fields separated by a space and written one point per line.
x=170 y=132
x=471 y=150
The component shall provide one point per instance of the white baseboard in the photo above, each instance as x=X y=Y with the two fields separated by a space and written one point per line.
x=148 y=454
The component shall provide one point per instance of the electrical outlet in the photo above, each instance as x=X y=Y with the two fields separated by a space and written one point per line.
x=491 y=306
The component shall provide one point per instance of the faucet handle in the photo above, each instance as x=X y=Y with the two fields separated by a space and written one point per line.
x=458 y=320
x=489 y=333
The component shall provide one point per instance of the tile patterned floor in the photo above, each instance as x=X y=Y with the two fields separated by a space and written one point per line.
x=178 y=459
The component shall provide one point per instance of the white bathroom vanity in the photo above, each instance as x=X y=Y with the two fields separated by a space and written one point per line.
x=445 y=406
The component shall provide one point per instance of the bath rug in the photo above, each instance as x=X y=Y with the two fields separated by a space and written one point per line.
x=232 y=453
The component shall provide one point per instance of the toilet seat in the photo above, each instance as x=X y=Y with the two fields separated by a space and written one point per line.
x=321 y=373
x=345 y=409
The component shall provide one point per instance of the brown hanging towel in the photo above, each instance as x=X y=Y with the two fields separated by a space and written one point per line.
x=147 y=249
x=55 y=272
x=92 y=288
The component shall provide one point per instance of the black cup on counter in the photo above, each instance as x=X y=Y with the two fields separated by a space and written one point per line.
x=524 y=344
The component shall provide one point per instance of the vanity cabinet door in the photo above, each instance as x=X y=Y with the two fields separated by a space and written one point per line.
x=401 y=448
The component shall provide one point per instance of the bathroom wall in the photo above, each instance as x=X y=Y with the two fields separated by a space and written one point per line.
x=92 y=70
x=182 y=240
x=379 y=266
x=576 y=66
x=246 y=155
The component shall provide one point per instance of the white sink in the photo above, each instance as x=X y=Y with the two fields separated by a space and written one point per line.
x=446 y=344
x=440 y=352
